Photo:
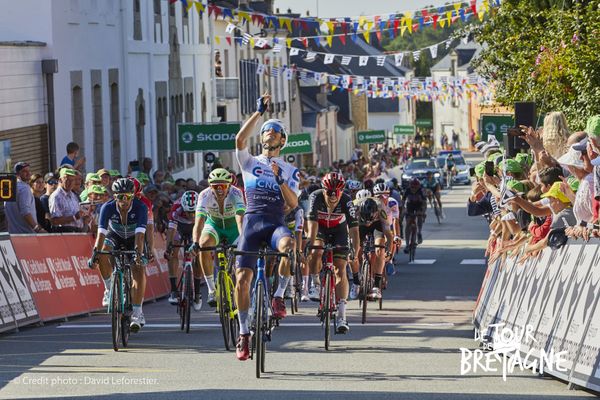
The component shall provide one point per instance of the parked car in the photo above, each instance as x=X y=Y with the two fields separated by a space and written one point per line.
x=418 y=168
x=462 y=167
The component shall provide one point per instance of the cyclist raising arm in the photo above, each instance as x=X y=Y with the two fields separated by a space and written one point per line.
x=123 y=224
x=218 y=218
x=269 y=183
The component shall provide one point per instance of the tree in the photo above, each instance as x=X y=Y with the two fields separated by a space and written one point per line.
x=546 y=51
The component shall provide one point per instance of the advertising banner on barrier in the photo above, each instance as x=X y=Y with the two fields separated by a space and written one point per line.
x=24 y=309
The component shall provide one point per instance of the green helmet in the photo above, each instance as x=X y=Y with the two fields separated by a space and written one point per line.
x=219 y=175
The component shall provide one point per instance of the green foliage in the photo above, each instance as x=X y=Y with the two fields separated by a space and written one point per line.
x=545 y=51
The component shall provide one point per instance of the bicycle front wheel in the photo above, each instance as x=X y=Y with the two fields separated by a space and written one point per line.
x=223 y=309
x=326 y=308
x=189 y=297
x=259 y=326
x=127 y=306
x=366 y=288
x=116 y=310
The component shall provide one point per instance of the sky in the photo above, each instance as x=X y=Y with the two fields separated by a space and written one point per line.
x=352 y=8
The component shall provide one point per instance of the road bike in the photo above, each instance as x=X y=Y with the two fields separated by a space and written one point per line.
x=368 y=251
x=120 y=307
x=262 y=322
x=327 y=311
x=185 y=287
x=224 y=293
x=434 y=204
x=411 y=236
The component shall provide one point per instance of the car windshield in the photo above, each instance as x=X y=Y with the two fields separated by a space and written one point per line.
x=458 y=160
x=420 y=164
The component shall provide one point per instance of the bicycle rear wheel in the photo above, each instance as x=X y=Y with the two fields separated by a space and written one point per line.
x=223 y=309
x=116 y=310
x=366 y=288
x=234 y=323
x=325 y=309
x=258 y=329
x=125 y=318
x=189 y=297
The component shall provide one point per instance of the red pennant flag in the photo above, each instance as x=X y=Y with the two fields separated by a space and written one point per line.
x=345 y=29
x=343 y=39
x=424 y=13
x=378 y=34
x=435 y=20
x=304 y=26
x=217 y=12
x=415 y=27
x=474 y=8
x=305 y=42
x=211 y=9
x=172 y=1
x=396 y=25
x=296 y=24
x=228 y=38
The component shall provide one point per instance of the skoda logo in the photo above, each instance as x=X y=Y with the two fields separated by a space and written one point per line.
x=361 y=137
x=490 y=127
x=187 y=137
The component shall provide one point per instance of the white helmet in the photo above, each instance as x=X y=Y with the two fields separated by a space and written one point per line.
x=363 y=194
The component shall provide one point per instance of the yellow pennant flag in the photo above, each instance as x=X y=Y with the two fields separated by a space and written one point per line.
x=481 y=15
x=288 y=42
x=329 y=40
x=330 y=27
x=369 y=25
x=217 y=40
x=251 y=42
x=409 y=23
x=456 y=6
x=199 y=7
x=402 y=30
x=442 y=22
x=361 y=21
x=288 y=24
x=367 y=36
x=485 y=5
x=355 y=92
x=190 y=5
x=449 y=16
x=333 y=87
x=243 y=15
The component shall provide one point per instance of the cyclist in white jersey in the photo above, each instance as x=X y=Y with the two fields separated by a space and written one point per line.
x=270 y=183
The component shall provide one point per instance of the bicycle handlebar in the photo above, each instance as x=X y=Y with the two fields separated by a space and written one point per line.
x=329 y=247
x=219 y=247
x=117 y=252
x=260 y=253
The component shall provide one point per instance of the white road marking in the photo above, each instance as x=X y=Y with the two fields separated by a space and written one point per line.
x=473 y=261
x=473 y=298
x=296 y=324
x=422 y=262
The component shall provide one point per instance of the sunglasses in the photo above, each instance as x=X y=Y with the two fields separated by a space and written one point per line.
x=276 y=127
x=217 y=186
x=52 y=182
x=124 y=196
x=332 y=193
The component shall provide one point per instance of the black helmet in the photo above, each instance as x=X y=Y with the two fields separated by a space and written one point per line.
x=368 y=210
x=123 y=185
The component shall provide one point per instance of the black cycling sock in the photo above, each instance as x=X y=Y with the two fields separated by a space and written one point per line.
x=197 y=283
x=378 y=278
x=355 y=278
x=173 y=284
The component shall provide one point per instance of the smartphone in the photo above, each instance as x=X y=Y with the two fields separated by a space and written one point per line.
x=135 y=165
x=515 y=132
x=85 y=207
x=472 y=171
x=490 y=169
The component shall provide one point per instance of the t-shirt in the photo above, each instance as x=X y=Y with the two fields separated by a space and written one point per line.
x=262 y=191
x=67 y=160
x=16 y=210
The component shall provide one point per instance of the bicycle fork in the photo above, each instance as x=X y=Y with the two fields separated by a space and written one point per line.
x=117 y=274
x=267 y=310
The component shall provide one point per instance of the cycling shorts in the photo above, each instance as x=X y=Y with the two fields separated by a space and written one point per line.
x=374 y=229
x=415 y=209
x=183 y=232
x=116 y=242
x=229 y=234
x=256 y=230
x=337 y=237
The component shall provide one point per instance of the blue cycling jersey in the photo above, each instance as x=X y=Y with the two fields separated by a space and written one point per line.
x=263 y=195
x=135 y=221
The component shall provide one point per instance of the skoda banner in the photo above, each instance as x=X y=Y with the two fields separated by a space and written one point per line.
x=203 y=137
x=298 y=143
x=496 y=125
x=371 y=137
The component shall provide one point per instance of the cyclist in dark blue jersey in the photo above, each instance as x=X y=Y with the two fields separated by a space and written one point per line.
x=122 y=224
x=270 y=184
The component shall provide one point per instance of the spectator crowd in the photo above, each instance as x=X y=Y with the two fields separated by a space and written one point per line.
x=543 y=196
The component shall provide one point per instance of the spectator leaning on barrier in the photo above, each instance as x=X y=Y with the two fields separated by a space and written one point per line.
x=21 y=214
x=64 y=205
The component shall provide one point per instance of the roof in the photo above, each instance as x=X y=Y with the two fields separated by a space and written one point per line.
x=466 y=53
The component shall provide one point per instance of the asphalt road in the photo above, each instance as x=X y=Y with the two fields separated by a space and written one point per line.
x=409 y=350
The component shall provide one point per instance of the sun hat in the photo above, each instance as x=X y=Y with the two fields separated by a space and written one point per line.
x=556 y=193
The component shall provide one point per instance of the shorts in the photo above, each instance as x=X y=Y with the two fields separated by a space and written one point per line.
x=116 y=242
x=229 y=234
x=183 y=233
x=374 y=229
x=337 y=237
x=413 y=210
x=256 y=230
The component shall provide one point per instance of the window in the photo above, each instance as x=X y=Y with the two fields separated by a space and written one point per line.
x=137 y=20
x=249 y=85
x=115 y=129
x=185 y=26
x=176 y=103
x=200 y=28
x=97 y=127
x=140 y=124
x=77 y=118
x=158 y=38
x=189 y=117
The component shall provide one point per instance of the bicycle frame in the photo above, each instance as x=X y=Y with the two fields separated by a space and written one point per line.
x=224 y=273
x=261 y=276
x=328 y=268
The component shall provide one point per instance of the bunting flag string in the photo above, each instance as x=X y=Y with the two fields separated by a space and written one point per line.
x=469 y=88
x=393 y=23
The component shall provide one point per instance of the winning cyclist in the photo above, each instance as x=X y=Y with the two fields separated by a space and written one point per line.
x=331 y=217
x=269 y=183
x=433 y=188
x=373 y=221
x=415 y=204
x=181 y=223
x=122 y=224
x=218 y=219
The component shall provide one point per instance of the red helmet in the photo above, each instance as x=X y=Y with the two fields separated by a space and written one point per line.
x=333 y=181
